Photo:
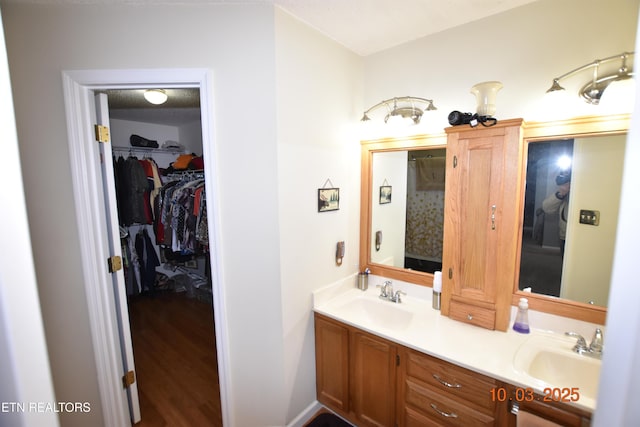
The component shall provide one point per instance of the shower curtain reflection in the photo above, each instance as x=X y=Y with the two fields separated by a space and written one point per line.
x=425 y=212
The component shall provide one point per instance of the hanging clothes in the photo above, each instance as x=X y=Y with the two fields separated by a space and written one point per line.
x=181 y=225
x=131 y=184
x=147 y=259
x=153 y=187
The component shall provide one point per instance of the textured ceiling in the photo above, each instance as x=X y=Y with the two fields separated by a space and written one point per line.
x=182 y=106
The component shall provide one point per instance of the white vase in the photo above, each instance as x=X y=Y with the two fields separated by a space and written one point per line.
x=486 y=93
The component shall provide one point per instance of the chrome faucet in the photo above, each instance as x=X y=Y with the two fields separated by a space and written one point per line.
x=597 y=343
x=594 y=349
x=386 y=292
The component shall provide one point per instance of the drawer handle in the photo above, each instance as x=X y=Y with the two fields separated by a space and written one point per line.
x=446 y=384
x=444 y=414
x=493 y=217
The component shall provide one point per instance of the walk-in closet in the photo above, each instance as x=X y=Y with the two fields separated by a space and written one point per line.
x=161 y=200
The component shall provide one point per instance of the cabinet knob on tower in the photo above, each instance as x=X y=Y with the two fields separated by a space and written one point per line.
x=469 y=316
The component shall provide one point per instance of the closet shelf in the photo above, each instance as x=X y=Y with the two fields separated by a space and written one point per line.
x=147 y=149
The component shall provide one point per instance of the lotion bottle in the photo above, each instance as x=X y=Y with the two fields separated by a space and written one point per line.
x=522 y=318
x=437 y=290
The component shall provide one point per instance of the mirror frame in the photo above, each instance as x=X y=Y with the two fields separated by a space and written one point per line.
x=369 y=147
x=532 y=132
x=564 y=129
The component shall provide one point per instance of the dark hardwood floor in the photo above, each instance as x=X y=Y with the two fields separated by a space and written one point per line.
x=175 y=356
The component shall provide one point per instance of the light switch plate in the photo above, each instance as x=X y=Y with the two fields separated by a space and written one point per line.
x=589 y=217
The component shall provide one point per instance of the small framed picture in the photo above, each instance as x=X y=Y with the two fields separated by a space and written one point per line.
x=385 y=194
x=328 y=199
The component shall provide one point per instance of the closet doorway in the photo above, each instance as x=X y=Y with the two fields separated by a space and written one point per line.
x=160 y=191
x=95 y=210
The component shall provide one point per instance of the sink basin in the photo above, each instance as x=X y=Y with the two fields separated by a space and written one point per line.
x=563 y=370
x=553 y=362
x=378 y=313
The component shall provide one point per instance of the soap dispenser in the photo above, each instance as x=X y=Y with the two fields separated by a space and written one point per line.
x=522 y=318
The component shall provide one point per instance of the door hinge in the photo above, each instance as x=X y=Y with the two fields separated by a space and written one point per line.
x=102 y=133
x=128 y=379
x=397 y=360
x=455 y=161
x=115 y=263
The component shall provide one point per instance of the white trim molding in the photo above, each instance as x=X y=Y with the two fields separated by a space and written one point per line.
x=89 y=206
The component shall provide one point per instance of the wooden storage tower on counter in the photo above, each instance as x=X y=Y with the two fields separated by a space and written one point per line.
x=481 y=222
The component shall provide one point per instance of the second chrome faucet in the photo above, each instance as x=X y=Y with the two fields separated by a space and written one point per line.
x=594 y=349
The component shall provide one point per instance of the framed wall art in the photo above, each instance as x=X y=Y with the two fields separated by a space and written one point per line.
x=328 y=199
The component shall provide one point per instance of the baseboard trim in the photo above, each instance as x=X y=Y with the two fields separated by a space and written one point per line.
x=306 y=415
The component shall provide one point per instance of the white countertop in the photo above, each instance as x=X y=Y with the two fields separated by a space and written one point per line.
x=487 y=352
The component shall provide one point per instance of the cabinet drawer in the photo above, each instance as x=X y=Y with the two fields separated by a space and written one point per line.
x=413 y=418
x=439 y=408
x=479 y=316
x=460 y=383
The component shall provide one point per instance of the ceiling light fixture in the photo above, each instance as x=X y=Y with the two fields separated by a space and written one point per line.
x=594 y=89
x=403 y=107
x=156 y=96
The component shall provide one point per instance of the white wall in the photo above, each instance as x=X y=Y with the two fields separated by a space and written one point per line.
x=25 y=376
x=233 y=41
x=596 y=177
x=318 y=85
x=619 y=389
x=191 y=137
x=524 y=48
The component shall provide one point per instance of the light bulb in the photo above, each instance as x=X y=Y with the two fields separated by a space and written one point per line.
x=619 y=96
x=155 y=96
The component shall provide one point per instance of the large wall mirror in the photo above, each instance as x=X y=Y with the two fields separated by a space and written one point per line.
x=403 y=211
x=569 y=224
x=570 y=281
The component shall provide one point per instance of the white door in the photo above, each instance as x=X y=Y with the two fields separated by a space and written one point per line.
x=113 y=229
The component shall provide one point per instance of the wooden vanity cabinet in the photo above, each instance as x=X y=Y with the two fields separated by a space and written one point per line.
x=355 y=373
x=371 y=381
x=481 y=218
x=332 y=364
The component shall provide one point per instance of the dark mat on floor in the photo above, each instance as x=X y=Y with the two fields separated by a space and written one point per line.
x=328 y=420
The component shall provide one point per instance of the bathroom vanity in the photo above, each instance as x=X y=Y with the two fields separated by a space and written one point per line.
x=422 y=369
x=381 y=363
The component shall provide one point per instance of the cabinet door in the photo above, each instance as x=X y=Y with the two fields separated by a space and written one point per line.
x=373 y=380
x=481 y=217
x=554 y=412
x=332 y=364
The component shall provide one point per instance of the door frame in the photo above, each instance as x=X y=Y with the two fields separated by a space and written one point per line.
x=79 y=86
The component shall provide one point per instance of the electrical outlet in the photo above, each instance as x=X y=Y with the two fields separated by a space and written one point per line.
x=589 y=217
